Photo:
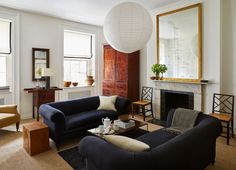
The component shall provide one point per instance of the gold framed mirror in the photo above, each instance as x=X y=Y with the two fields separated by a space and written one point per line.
x=179 y=43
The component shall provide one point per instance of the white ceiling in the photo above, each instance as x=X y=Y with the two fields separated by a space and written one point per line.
x=85 y=11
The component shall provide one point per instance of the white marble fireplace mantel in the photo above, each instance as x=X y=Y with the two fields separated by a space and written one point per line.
x=197 y=88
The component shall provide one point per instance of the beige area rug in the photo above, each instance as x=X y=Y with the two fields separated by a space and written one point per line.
x=14 y=157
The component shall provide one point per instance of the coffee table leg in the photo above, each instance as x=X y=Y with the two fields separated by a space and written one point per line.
x=147 y=127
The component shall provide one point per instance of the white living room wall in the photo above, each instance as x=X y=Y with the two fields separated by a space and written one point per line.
x=228 y=58
x=211 y=46
x=47 y=32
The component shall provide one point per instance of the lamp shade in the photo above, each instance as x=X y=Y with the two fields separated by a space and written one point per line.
x=127 y=27
x=46 y=72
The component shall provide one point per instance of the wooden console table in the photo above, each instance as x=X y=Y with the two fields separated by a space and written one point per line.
x=41 y=96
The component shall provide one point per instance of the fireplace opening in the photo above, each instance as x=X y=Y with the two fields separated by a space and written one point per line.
x=173 y=99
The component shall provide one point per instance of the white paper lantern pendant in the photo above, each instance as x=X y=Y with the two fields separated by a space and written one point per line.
x=127 y=27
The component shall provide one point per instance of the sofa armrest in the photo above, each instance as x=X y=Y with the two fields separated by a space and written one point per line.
x=9 y=109
x=52 y=114
x=105 y=156
x=122 y=105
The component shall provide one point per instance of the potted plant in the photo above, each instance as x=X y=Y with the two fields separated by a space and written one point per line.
x=163 y=69
x=156 y=71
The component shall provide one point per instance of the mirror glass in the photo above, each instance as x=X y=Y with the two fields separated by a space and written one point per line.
x=179 y=43
x=40 y=60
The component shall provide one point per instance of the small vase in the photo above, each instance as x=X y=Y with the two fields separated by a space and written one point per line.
x=90 y=80
x=161 y=77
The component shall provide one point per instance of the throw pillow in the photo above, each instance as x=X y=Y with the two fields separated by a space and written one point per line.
x=126 y=143
x=107 y=103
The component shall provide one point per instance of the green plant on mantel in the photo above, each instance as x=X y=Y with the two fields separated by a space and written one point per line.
x=163 y=69
x=157 y=69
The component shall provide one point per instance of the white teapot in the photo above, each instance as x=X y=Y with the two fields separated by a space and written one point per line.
x=106 y=122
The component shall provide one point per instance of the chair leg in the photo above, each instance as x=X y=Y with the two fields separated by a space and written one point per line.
x=232 y=128
x=143 y=112
x=228 y=133
x=17 y=126
x=152 y=111
x=132 y=108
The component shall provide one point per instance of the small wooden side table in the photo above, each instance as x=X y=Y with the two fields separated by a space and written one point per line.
x=35 y=137
x=41 y=96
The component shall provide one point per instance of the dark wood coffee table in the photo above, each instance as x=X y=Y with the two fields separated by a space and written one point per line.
x=121 y=131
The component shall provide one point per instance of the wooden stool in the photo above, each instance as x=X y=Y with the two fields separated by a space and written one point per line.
x=35 y=138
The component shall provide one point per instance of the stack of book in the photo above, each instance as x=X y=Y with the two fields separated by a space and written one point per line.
x=126 y=125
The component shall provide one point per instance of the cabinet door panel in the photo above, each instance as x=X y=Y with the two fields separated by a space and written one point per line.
x=109 y=63
x=121 y=67
x=121 y=89
x=121 y=93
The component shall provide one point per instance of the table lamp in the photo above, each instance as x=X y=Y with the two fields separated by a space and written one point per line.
x=47 y=72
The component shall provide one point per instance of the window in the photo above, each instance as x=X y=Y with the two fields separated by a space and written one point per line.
x=78 y=56
x=5 y=54
x=5 y=37
x=3 y=71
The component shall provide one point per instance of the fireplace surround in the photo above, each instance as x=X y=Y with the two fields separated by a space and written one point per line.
x=197 y=89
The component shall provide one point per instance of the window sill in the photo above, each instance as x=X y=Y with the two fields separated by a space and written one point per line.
x=5 y=92
x=78 y=87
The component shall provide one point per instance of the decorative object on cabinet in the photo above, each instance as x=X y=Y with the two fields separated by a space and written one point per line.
x=179 y=45
x=40 y=59
x=128 y=27
x=46 y=73
x=90 y=80
x=41 y=96
x=121 y=73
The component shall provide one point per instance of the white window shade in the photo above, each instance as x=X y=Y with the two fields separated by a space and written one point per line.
x=77 y=45
x=5 y=37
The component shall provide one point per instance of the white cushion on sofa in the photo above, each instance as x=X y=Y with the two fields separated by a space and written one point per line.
x=126 y=143
x=107 y=103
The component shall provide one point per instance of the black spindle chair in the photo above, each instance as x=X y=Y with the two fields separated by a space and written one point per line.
x=223 y=109
x=145 y=104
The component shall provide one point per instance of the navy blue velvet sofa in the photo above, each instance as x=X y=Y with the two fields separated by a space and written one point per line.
x=70 y=118
x=192 y=150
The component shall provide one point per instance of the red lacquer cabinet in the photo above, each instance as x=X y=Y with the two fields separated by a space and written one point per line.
x=121 y=73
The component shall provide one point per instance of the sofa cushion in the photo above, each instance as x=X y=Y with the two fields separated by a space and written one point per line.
x=93 y=116
x=107 y=103
x=8 y=119
x=126 y=143
x=156 y=138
